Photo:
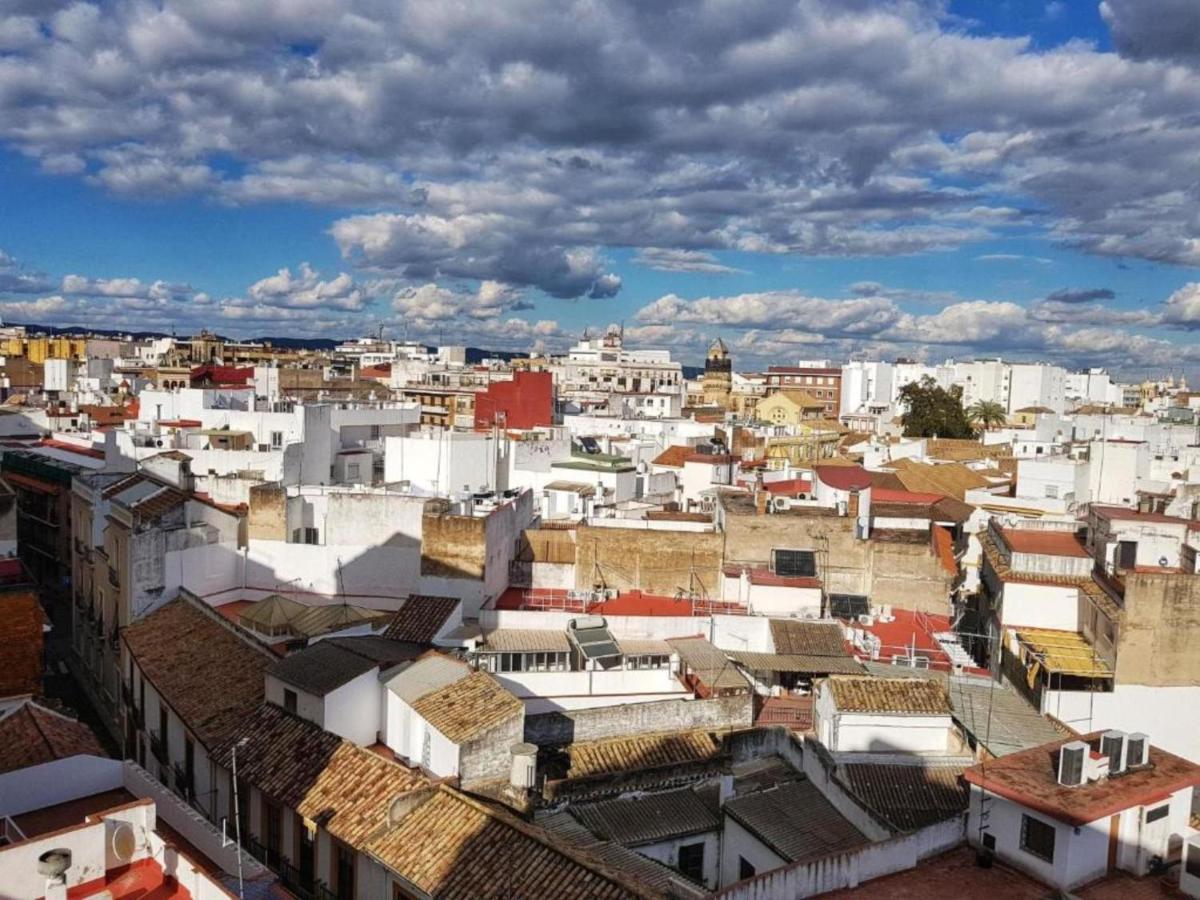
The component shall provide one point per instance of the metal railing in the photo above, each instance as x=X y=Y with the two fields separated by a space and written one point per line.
x=295 y=881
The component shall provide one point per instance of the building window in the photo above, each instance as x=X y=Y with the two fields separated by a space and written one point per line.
x=276 y=440
x=343 y=862
x=305 y=536
x=691 y=861
x=657 y=661
x=1192 y=863
x=1052 y=491
x=1037 y=838
x=306 y=853
x=745 y=869
x=1159 y=812
x=289 y=700
x=794 y=563
x=272 y=832
x=352 y=471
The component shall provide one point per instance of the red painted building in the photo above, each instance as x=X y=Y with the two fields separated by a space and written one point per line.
x=525 y=402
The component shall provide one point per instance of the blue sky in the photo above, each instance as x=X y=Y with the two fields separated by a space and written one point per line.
x=809 y=179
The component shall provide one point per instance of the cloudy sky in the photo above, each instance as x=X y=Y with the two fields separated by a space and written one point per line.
x=805 y=179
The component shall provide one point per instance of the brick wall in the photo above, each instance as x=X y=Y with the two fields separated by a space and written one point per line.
x=489 y=757
x=21 y=622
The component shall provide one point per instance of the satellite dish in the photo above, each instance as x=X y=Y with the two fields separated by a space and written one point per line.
x=124 y=842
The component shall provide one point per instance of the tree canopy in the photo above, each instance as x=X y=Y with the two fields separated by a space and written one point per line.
x=987 y=414
x=933 y=411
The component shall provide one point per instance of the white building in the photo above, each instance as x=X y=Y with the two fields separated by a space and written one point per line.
x=1075 y=811
x=883 y=715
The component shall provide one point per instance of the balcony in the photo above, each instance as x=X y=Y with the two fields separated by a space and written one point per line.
x=295 y=881
x=271 y=858
x=112 y=577
x=158 y=747
x=184 y=782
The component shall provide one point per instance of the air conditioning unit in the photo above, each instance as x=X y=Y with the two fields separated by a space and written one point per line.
x=1072 y=758
x=780 y=503
x=1112 y=746
x=1137 y=750
x=866 y=619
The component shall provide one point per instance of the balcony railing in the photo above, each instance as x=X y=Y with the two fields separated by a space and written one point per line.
x=322 y=891
x=295 y=881
x=184 y=782
x=269 y=857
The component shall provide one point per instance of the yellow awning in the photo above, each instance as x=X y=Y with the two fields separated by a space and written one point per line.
x=1063 y=652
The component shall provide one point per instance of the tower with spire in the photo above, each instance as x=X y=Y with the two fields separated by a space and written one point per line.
x=718 y=375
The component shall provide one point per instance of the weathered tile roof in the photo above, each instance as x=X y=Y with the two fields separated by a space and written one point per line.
x=909 y=797
x=647 y=818
x=527 y=640
x=431 y=672
x=644 y=647
x=646 y=871
x=890 y=695
x=710 y=665
x=327 y=665
x=795 y=821
x=31 y=734
x=343 y=787
x=420 y=618
x=808 y=638
x=454 y=847
x=642 y=751
x=209 y=675
x=465 y=709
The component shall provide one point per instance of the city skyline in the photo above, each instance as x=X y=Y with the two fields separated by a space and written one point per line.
x=812 y=180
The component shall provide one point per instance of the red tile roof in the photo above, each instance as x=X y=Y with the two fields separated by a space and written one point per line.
x=892 y=495
x=943 y=546
x=675 y=456
x=1044 y=543
x=1028 y=777
x=844 y=478
x=33 y=734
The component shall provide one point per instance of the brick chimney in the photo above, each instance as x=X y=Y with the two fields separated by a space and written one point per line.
x=760 y=501
x=852 y=507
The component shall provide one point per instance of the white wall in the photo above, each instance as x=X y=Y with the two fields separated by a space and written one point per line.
x=353 y=710
x=1040 y=606
x=667 y=853
x=405 y=734
x=1164 y=713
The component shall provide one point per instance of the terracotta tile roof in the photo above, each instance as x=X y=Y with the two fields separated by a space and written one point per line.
x=1044 y=543
x=890 y=695
x=345 y=788
x=960 y=449
x=646 y=818
x=844 y=478
x=943 y=547
x=675 y=455
x=1087 y=586
x=469 y=707
x=420 y=618
x=909 y=797
x=812 y=638
x=454 y=847
x=795 y=821
x=31 y=734
x=642 y=751
x=951 y=479
x=1029 y=777
x=210 y=676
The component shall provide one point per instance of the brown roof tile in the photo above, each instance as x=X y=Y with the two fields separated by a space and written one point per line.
x=811 y=638
x=675 y=455
x=31 y=735
x=457 y=848
x=642 y=751
x=345 y=788
x=909 y=797
x=209 y=675
x=465 y=709
x=420 y=619
x=917 y=696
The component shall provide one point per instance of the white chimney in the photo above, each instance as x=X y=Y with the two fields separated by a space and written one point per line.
x=524 y=766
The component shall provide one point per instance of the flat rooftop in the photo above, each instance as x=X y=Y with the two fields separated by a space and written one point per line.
x=1044 y=543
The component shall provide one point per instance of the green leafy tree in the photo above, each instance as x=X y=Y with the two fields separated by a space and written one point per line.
x=986 y=414
x=932 y=411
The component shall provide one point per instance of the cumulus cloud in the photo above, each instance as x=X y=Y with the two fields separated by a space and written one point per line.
x=307 y=290
x=432 y=302
x=501 y=140
x=1182 y=308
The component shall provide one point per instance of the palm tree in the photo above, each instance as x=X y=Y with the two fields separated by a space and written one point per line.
x=987 y=414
